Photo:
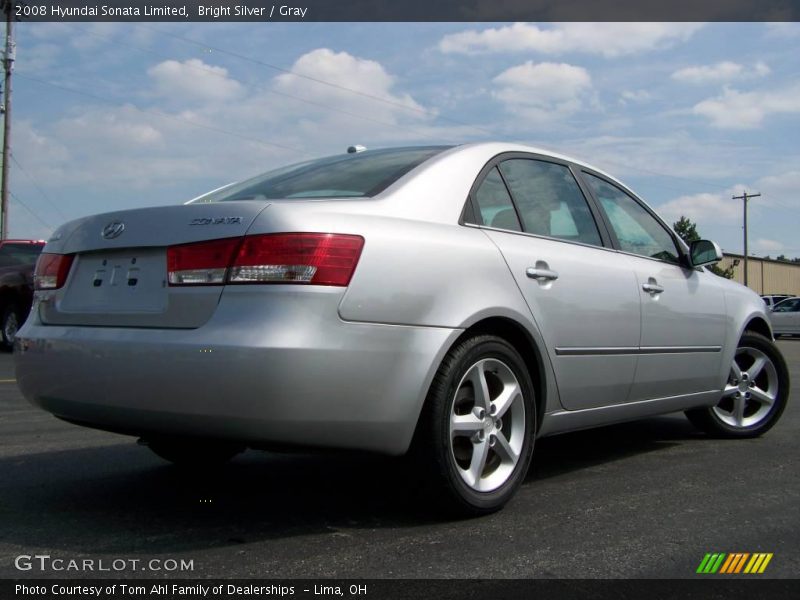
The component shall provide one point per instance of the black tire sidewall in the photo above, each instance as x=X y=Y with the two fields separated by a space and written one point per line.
x=10 y=309
x=768 y=347
x=467 y=354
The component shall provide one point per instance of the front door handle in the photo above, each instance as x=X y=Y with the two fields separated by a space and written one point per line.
x=651 y=287
x=541 y=274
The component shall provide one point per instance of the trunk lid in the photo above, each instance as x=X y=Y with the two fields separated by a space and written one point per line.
x=119 y=274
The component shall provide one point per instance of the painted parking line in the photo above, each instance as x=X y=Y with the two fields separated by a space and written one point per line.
x=8 y=381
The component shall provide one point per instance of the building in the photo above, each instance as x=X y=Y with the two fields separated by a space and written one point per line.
x=765 y=275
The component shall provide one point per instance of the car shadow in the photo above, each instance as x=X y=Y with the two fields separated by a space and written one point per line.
x=120 y=499
x=561 y=454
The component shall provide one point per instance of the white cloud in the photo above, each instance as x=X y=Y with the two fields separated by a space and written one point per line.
x=747 y=110
x=767 y=246
x=783 y=30
x=122 y=125
x=675 y=154
x=634 y=96
x=540 y=91
x=719 y=72
x=192 y=146
x=705 y=207
x=193 y=80
x=783 y=187
x=366 y=77
x=606 y=39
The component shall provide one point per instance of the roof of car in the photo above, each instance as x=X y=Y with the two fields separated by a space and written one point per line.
x=499 y=147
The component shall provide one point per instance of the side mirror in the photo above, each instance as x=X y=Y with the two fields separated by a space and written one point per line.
x=704 y=252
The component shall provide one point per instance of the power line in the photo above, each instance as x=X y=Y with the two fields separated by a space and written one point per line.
x=367 y=95
x=331 y=84
x=165 y=115
x=389 y=101
x=215 y=73
x=325 y=107
x=33 y=214
x=36 y=185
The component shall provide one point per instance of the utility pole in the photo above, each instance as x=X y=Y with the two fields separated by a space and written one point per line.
x=8 y=64
x=745 y=197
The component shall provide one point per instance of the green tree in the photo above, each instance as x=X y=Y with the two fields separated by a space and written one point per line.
x=687 y=230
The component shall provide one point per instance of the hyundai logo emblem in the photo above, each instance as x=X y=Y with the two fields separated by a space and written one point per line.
x=113 y=229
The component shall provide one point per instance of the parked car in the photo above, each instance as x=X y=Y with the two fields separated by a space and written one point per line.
x=785 y=317
x=772 y=299
x=17 y=259
x=456 y=303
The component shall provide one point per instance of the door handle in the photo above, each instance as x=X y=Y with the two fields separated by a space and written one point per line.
x=652 y=288
x=541 y=274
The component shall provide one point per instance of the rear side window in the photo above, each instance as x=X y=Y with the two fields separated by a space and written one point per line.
x=549 y=200
x=359 y=175
x=494 y=203
x=637 y=231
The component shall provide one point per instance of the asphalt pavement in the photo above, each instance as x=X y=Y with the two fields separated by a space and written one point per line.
x=646 y=499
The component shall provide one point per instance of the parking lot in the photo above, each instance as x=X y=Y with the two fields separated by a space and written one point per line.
x=645 y=499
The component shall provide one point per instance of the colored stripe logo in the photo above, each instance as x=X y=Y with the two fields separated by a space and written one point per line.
x=734 y=563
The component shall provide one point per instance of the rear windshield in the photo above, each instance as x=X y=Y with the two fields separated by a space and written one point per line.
x=359 y=175
x=19 y=254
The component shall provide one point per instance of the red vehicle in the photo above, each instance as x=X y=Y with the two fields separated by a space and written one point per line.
x=17 y=260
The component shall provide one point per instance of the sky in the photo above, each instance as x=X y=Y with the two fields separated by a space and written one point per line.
x=109 y=116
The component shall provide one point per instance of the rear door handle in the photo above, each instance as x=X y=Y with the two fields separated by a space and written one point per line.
x=541 y=274
x=652 y=288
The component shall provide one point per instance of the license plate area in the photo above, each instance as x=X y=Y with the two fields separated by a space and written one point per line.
x=121 y=281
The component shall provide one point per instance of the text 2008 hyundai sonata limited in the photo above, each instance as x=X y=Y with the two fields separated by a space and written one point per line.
x=455 y=302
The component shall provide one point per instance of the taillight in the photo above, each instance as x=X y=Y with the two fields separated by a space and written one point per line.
x=313 y=258
x=51 y=271
x=310 y=258
x=201 y=263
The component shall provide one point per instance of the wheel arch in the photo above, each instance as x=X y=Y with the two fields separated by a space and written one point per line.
x=516 y=334
x=7 y=295
x=758 y=325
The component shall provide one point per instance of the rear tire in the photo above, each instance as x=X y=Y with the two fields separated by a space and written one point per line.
x=195 y=453
x=475 y=437
x=10 y=321
x=754 y=396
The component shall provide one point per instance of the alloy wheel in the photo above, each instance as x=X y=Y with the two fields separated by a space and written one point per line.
x=10 y=327
x=487 y=425
x=751 y=391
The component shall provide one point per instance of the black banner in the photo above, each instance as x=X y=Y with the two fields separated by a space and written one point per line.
x=382 y=589
x=407 y=10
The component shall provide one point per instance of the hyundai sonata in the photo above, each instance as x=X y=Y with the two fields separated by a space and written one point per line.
x=456 y=303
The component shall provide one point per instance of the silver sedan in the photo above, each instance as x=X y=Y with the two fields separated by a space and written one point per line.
x=454 y=303
x=785 y=317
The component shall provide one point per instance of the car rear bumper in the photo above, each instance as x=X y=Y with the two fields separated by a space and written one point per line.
x=278 y=367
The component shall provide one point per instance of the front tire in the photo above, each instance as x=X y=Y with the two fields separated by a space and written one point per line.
x=475 y=438
x=754 y=396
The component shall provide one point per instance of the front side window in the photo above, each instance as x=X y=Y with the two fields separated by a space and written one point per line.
x=359 y=175
x=495 y=204
x=637 y=231
x=787 y=306
x=549 y=200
